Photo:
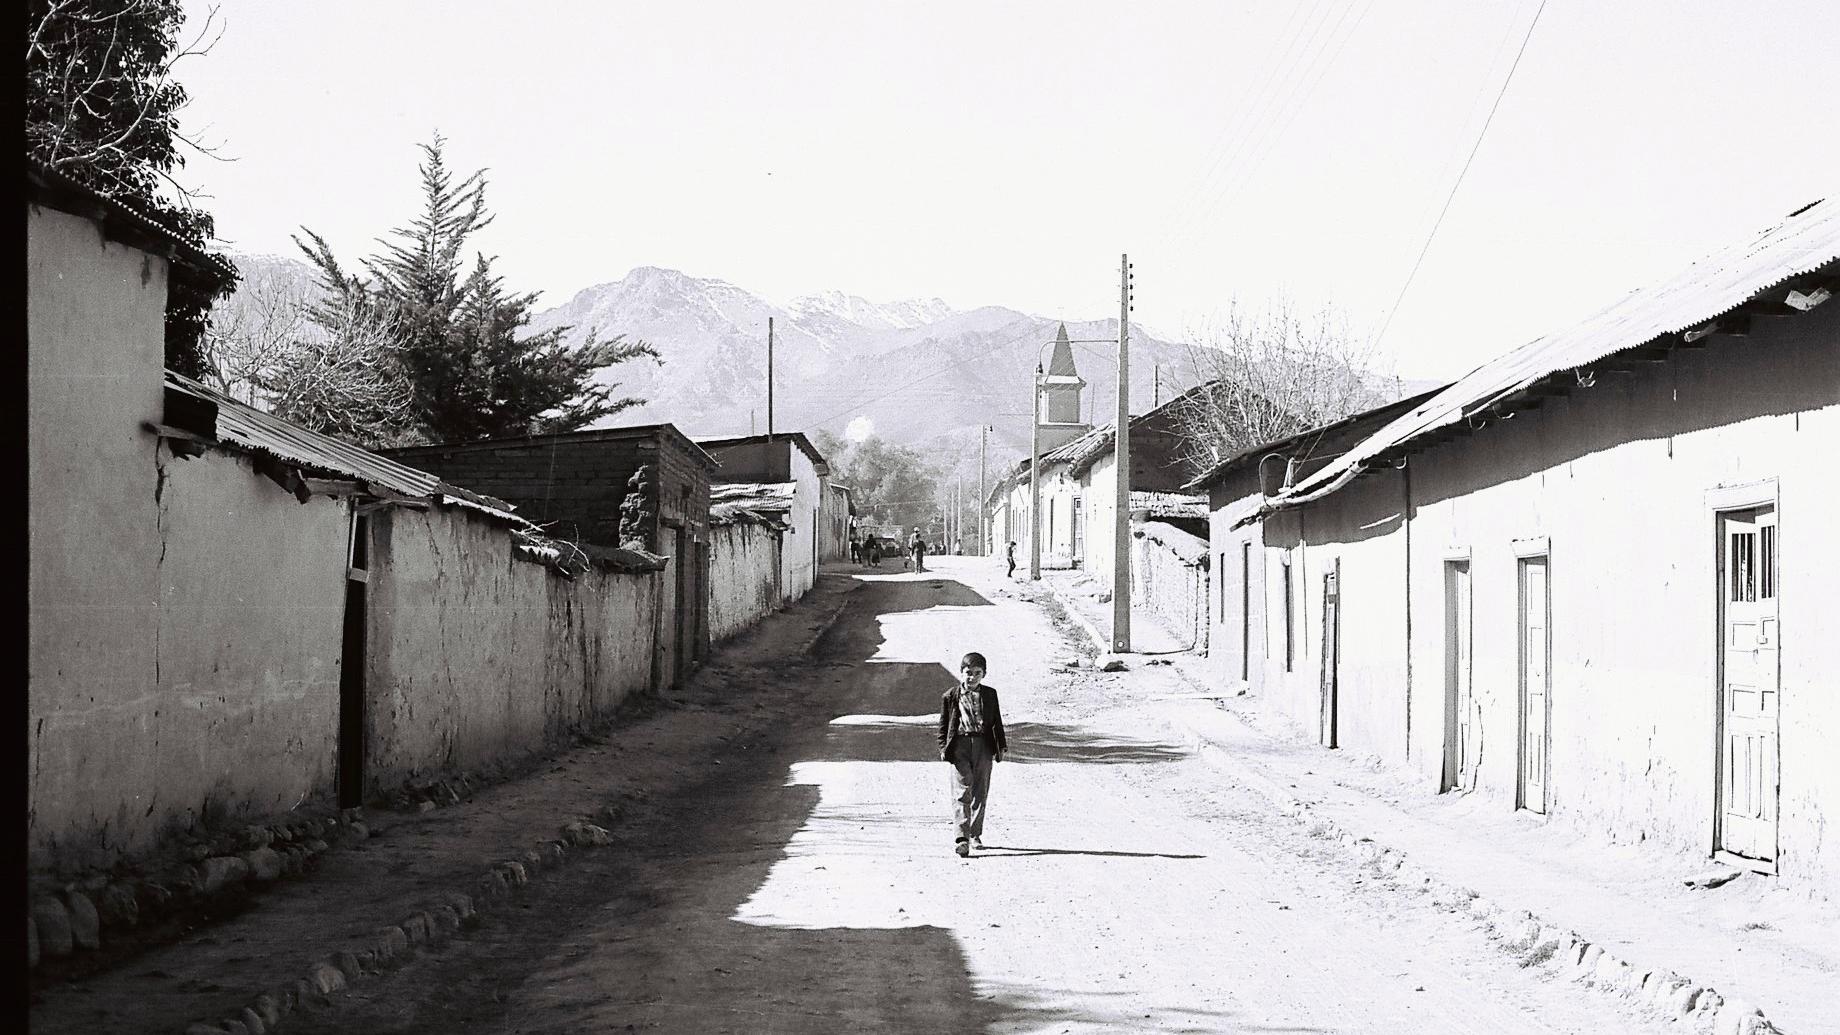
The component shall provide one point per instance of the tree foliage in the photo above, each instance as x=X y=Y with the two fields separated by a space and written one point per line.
x=329 y=365
x=1272 y=373
x=473 y=367
x=892 y=485
x=102 y=107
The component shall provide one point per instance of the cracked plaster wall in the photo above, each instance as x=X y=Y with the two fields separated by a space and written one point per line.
x=178 y=655
x=477 y=654
x=741 y=575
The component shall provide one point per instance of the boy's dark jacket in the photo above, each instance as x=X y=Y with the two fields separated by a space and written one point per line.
x=993 y=721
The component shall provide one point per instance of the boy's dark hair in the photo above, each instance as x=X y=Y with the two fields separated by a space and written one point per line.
x=973 y=660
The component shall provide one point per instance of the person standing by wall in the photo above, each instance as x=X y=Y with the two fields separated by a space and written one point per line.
x=971 y=740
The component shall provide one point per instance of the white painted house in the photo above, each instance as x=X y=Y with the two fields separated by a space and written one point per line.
x=1592 y=579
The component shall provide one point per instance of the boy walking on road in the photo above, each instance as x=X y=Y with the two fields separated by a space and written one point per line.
x=971 y=739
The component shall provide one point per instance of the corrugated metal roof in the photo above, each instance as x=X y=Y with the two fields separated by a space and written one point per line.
x=59 y=190
x=245 y=427
x=1169 y=504
x=1802 y=243
x=743 y=502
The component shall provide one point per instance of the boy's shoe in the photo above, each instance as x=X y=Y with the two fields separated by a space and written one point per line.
x=962 y=848
x=977 y=843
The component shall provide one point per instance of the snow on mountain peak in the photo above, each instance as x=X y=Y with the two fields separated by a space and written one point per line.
x=912 y=312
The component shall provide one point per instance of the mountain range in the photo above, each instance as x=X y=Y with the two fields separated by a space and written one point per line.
x=922 y=373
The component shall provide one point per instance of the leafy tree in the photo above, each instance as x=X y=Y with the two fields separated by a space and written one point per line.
x=101 y=107
x=474 y=369
x=893 y=484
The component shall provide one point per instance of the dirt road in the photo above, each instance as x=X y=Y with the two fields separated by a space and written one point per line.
x=803 y=880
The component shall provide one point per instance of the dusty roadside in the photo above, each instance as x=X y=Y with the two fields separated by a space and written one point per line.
x=657 y=749
x=810 y=887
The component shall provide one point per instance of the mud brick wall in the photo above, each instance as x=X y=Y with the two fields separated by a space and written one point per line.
x=1169 y=575
x=743 y=576
x=478 y=653
x=573 y=484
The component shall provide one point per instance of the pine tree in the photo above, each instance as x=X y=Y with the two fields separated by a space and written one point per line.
x=474 y=369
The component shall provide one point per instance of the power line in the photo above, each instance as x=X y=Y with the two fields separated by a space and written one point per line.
x=1228 y=139
x=923 y=377
x=1403 y=288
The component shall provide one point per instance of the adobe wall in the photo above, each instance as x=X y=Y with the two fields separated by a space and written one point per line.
x=803 y=542
x=743 y=577
x=171 y=659
x=477 y=653
x=1358 y=533
x=1237 y=635
x=1616 y=478
x=1169 y=575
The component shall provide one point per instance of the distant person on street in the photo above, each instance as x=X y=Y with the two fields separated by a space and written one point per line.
x=971 y=740
x=1009 y=555
x=856 y=553
x=918 y=545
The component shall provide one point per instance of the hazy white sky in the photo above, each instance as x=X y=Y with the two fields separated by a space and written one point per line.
x=1007 y=153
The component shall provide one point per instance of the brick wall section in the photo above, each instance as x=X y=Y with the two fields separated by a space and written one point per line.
x=574 y=482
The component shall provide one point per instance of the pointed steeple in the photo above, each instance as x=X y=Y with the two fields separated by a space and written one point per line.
x=1061 y=386
x=1061 y=362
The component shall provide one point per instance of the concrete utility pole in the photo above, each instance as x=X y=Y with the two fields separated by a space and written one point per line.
x=1121 y=451
x=983 y=539
x=1035 y=477
x=769 y=379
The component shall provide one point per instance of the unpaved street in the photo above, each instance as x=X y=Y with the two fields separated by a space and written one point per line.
x=803 y=879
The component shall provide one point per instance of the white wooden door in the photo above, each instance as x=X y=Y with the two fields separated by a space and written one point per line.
x=1460 y=700
x=1535 y=658
x=1749 y=684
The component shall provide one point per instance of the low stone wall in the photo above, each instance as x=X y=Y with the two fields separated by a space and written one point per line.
x=1169 y=575
x=743 y=576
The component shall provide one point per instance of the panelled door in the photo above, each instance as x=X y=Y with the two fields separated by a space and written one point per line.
x=1749 y=685
x=1331 y=650
x=1460 y=698
x=1535 y=659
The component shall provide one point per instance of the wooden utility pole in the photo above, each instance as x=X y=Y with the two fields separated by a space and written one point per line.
x=1121 y=451
x=769 y=379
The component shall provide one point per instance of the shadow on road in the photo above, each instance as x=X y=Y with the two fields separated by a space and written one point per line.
x=916 y=739
x=1010 y=851
x=643 y=936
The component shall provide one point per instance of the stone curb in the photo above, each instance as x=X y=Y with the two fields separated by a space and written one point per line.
x=1520 y=933
x=430 y=921
x=836 y=613
x=92 y=911
x=1099 y=640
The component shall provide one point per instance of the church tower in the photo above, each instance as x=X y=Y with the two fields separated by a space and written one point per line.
x=1060 y=396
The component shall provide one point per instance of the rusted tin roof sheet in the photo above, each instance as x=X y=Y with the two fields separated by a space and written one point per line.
x=1169 y=504
x=1805 y=242
x=244 y=427
x=742 y=502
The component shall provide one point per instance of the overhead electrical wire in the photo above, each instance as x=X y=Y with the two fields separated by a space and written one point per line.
x=1257 y=143
x=1403 y=288
x=1293 y=107
x=1231 y=138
